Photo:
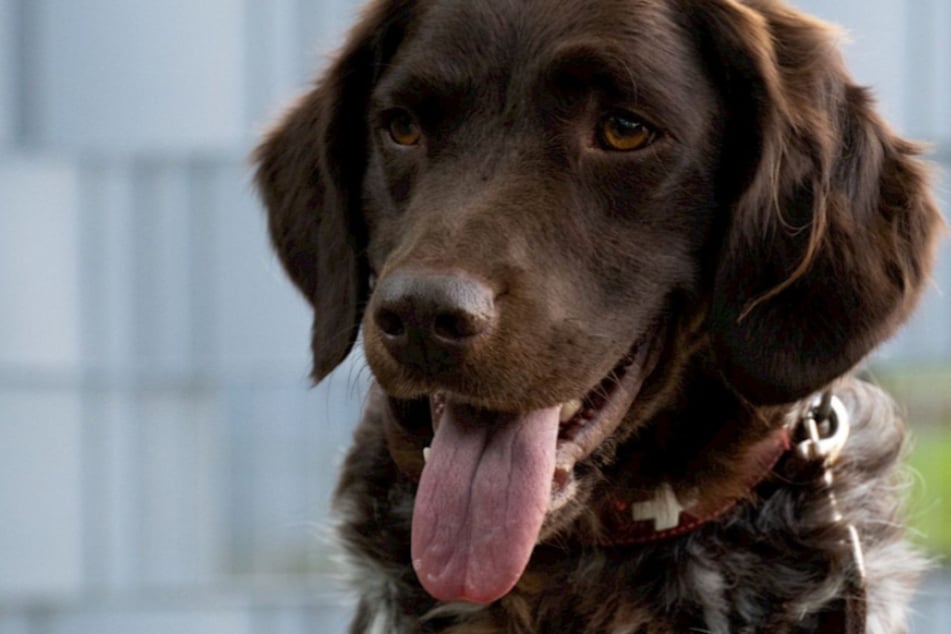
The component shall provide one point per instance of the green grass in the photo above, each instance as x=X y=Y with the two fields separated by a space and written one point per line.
x=930 y=503
x=924 y=395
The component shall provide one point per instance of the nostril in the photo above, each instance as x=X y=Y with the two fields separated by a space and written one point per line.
x=390 y=322
x=458 y=325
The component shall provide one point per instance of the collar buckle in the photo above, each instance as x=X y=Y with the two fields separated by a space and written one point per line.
x=826 y=426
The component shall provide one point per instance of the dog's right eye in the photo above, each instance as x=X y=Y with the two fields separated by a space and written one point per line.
x=624 y=132
x=403 y=128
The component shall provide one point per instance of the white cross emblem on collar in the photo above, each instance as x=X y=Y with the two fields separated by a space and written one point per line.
x=663 y=509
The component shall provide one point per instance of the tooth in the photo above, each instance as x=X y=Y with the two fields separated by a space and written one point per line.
x=426 y=454
x=569 y=409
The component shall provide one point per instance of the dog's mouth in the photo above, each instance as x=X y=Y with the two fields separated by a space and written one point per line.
x=491 y=478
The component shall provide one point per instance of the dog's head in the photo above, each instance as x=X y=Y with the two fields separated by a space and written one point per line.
x=522 y=201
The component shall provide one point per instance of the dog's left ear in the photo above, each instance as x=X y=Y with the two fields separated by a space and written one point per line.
x=833 y=231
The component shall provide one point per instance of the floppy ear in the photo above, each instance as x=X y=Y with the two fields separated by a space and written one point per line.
x=833 y=231
x=310 y=172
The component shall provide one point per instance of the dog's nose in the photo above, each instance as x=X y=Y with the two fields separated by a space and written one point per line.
x=419 y=314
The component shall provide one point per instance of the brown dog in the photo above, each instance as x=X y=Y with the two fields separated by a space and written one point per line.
x=604 y=253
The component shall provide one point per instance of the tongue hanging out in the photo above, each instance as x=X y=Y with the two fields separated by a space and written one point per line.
x=481 y=501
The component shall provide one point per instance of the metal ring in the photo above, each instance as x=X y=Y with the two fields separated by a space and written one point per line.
x=824 y=447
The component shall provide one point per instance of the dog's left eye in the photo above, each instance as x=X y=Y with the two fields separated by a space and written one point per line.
x=403 y=128
x=623 y=132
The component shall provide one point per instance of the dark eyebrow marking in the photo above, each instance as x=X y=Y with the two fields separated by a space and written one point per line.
x=588 y=65
x=423 y=85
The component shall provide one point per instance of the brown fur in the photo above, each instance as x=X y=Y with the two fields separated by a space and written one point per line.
x=773 y=234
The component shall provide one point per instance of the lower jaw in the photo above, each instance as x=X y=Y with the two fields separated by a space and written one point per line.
x=607 y=407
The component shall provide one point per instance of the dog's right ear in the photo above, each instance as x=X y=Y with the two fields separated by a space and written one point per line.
x=832 y=230
x=310 y=172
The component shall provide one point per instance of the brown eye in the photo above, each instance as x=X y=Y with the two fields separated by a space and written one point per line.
x=403 y=129
x=624 y=133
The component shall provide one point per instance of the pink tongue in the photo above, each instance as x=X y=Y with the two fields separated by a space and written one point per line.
x=481 y=501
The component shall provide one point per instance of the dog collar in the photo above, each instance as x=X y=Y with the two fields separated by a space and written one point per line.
x=628 y=515
x=669 y=510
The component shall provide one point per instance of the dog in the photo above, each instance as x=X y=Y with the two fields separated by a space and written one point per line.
x=615 y=263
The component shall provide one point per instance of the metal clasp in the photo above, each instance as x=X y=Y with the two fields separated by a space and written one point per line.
x=826 y=423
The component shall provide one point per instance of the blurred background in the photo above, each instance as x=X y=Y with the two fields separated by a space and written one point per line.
x=164 y=466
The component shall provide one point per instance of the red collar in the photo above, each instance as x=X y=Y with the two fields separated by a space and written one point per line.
x=628 y=519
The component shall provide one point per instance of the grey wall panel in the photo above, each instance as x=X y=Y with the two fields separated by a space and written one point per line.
x=8 y=72
x=41 y=553
x=152 y=620
x=178 y=450
x=108 y=230
x=112 y=489
x=323 y=29
x=286 y=448
x=15 y=624
x=39 y=263
x=124 y=77
x=941 y=79
x=164 y=267
x=272 y=50
x=261 y=323
x=875 y=47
